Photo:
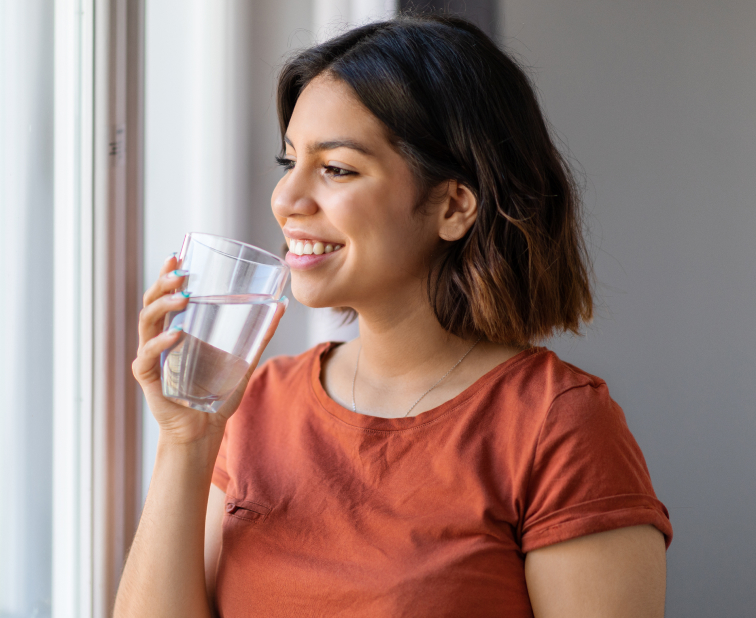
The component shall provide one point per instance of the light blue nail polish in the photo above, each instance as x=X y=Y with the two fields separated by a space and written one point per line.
x=170 y=257
x=179 y=273
x=176 y=328
x=186 y=293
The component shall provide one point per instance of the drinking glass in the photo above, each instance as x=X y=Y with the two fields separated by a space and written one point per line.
x=235 y=289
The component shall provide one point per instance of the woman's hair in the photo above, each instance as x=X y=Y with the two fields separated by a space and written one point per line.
x=458 y=108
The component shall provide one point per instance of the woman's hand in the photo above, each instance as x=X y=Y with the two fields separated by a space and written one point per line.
x=178 y=423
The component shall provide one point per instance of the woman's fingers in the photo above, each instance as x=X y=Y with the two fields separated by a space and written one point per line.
x=151 y=318
x=169 y=280
x=146 y=366
x=157 y=302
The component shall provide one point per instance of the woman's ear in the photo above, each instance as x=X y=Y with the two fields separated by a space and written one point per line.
x=458 y=211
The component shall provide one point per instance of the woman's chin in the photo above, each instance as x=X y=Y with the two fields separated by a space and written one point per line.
x=313 y=298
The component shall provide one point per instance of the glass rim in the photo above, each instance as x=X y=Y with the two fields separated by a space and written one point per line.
x=196 y=236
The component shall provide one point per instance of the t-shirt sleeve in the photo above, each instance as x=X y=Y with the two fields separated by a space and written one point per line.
x=588 y=473
x=220 y=471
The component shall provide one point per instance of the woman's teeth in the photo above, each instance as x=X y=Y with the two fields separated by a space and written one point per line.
x=309 y=247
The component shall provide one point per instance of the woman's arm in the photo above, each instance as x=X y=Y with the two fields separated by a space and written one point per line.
x=616 y=574
x=164 y=574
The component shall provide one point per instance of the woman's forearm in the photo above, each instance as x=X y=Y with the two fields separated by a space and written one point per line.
x=164 y=573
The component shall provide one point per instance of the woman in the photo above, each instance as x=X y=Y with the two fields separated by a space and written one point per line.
x=438 y=465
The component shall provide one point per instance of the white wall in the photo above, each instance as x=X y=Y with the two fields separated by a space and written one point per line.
x=657 y=103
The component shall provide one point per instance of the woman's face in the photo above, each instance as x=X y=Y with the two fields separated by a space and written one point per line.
x=347 y=189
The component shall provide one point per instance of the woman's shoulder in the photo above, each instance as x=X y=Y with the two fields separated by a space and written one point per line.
x=539 y=372
x=539 y=392
x=585 y=470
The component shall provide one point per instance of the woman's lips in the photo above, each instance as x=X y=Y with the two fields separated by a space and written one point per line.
x=303 y=262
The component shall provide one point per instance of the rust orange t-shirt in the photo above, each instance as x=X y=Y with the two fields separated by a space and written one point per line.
x=334 y=513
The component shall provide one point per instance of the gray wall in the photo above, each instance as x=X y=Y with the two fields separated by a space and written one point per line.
x=657 y=103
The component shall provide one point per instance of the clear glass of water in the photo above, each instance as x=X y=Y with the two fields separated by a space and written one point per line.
x=235 y=290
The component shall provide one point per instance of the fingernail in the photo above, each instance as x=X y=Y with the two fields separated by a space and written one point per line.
x=181 y=295
x=178 y=273
x=285 y=301
x=170 y=257
x=175 y=328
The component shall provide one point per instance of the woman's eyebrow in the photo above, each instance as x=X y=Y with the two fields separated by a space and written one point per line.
x=333 y=144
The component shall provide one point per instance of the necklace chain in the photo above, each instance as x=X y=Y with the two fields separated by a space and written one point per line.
x=412 y=407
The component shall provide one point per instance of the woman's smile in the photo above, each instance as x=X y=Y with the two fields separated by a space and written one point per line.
x=301 y=242
x=311 y=247
x=308 y=253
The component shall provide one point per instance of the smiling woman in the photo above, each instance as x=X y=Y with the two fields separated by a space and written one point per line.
x=441 y=464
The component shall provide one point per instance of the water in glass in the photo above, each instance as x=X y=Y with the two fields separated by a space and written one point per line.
x=221 y=336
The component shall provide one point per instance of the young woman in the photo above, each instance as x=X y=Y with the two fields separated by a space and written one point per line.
x=440 y=464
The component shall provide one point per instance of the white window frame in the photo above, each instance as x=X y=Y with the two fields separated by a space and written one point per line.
x=97 y=296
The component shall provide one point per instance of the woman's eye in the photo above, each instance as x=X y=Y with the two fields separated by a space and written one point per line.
x=285 y=163
x=337 y=172
x=331 y=170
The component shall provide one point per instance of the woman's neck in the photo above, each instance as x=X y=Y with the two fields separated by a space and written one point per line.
x=406 y=343
x=402 y=352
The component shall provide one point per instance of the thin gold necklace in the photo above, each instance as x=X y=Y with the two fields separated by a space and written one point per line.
x=412 y=407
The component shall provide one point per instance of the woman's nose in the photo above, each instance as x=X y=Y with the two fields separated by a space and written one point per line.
x=293 y=197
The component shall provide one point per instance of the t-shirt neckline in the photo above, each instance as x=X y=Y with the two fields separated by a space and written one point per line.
x=377 y=423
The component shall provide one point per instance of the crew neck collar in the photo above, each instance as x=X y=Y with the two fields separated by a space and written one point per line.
x=380 y=424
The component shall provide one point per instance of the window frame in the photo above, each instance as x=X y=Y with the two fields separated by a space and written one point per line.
x=99 y=51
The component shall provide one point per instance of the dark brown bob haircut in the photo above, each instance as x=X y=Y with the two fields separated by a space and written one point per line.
x=458 y=108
